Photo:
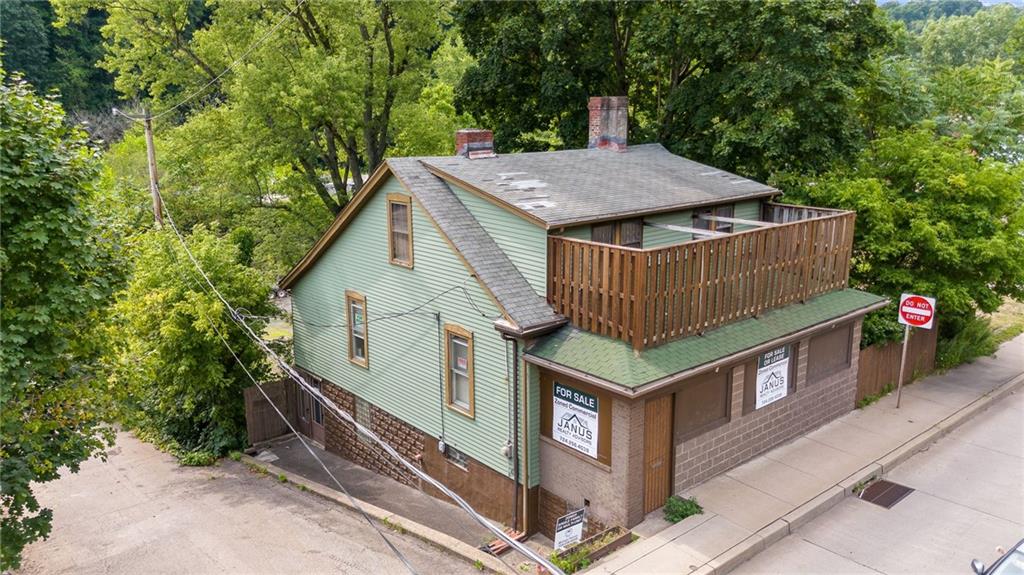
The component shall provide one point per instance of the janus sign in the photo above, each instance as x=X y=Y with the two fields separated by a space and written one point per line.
x=917 y=311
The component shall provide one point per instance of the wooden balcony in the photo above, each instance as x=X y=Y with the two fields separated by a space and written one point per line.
x=650 y=296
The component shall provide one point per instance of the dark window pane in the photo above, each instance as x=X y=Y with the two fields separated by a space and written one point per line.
x=829 y=353
x=702 y=404
x=604 y=233
x=631 y=233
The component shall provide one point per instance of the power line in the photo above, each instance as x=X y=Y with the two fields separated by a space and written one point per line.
x=355 y=503
x=217 y=78
x=346 y=417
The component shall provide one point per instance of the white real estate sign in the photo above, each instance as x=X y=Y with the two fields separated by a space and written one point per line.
x=772 y=376
x=569 y=529
x=574 y=421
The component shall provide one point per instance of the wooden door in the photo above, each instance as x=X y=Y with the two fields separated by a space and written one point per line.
x=657 y=452
x=317 y=425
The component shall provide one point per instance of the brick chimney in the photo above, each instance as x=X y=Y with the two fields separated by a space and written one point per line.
x=608 y=124
x=474 y=143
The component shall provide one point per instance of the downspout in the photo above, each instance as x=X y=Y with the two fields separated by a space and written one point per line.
x=515 y=428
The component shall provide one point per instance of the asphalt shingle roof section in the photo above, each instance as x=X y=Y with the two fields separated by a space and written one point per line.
x=491 y=264
x=614 y=360
x=575 y=186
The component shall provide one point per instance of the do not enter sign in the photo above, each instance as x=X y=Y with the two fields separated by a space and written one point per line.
x=917 y=311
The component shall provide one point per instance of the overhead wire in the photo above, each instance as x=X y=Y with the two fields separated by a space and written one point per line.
x=217 y=78
x=348 y=418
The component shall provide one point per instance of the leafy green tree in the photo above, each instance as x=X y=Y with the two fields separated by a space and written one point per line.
x=932 y=218
x=916 y=13
x=753 y=87
x=960 y=40
x=59 y=267
x=180 y=382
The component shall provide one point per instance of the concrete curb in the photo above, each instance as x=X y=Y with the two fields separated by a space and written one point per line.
x=751 y=546
x=440 y=540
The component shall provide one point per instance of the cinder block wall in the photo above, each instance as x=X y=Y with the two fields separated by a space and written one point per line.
x=746 y=436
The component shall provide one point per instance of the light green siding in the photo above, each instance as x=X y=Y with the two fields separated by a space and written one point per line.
x=577 y=232
x=533 y=424
x=749 y=210
x=404 y=371
x=525 y=243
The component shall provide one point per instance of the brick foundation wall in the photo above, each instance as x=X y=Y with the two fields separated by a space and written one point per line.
x=551 y=507
x=341 y=437
x=746 y=436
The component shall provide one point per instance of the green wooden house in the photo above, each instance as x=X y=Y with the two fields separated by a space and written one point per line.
x=594 y=328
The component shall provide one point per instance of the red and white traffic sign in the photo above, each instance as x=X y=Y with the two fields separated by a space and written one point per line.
x=917 y=311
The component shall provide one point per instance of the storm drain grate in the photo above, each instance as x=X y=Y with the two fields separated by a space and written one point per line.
x=885 y=493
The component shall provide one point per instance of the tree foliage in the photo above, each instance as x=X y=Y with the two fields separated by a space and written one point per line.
x=59 y=267
x=960 y=40
x=752 y=87
x=932 y=218
x=179 y=381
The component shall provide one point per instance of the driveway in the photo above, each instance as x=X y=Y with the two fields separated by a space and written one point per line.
x=140 y=512
x=968 y=499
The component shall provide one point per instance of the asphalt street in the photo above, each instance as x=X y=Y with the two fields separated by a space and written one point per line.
x=968 y=499
x=140 y=512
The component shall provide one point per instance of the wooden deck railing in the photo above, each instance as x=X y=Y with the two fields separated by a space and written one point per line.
x=651 y=296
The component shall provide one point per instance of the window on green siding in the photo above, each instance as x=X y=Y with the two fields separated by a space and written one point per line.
x=400 y=230
x=627 y=233
x=358 y=348
x=725 y=211
x=459 y=359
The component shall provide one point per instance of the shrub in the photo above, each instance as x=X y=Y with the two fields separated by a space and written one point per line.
x=973 y=341
x=198 y=458
x=678 y=508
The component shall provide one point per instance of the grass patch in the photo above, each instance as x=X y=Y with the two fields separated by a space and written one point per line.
x=478 y=565
x=282 y=478
x=235 y=456
x=573 y=562
x=1008 y=321
x=257 y=469
x=678 y=508
x=393 y=525
x=869 y=399
x=196 y=458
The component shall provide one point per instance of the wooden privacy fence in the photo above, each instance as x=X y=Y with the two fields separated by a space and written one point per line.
x=651 y=296
x=261 y=421
x=879 y=364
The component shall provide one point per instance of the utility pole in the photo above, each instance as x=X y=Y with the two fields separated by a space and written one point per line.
x=154 y=187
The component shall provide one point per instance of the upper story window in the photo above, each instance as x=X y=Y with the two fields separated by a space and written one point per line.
x=358 y=350
x=400 y=230
x=626 y=233
x=725 y=211
x=459 y=361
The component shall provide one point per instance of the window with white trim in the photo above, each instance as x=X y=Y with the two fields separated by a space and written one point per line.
x=459 y=362
x=358 y=349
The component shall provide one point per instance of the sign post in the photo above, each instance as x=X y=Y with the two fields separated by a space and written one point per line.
x=914 y=311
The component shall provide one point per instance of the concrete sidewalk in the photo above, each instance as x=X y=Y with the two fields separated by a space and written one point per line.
x=763 y=500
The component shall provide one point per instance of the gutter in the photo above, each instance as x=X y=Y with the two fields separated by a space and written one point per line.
x=657 y=384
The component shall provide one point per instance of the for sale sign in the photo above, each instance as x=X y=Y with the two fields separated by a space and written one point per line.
x=917 y=311
x=574 y=422
x=772 y=376
x=569 y=529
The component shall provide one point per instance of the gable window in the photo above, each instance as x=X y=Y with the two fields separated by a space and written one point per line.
x=725 y=211
x=459 y=362
x=400 y=230
x=358 y=352
x=626 y=233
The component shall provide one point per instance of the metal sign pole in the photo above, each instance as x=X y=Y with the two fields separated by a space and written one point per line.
x=903 y=361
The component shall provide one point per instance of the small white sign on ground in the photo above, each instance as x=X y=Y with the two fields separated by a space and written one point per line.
x=569 y=529
x=772 y=376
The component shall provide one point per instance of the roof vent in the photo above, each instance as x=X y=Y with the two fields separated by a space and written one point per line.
x=474 y=143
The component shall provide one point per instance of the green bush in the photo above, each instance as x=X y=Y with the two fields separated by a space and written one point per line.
x=573 y=562
x=678 y=508
x=198 y=458
x=973 y=341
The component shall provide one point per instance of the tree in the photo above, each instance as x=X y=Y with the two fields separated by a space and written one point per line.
x=59 y=267
x=316 y=96
x=915 y=13
x=960 y=40
x=181 y=383
x=752 y=87
x=932 y=218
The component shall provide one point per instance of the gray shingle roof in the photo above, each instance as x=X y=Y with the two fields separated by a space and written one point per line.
x=576 y=186
x=492 y=266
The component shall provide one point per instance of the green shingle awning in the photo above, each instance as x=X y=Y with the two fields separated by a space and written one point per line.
x=614 y=361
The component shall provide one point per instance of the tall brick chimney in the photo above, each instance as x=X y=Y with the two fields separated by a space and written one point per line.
x=474 y=143
x=608 y=124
